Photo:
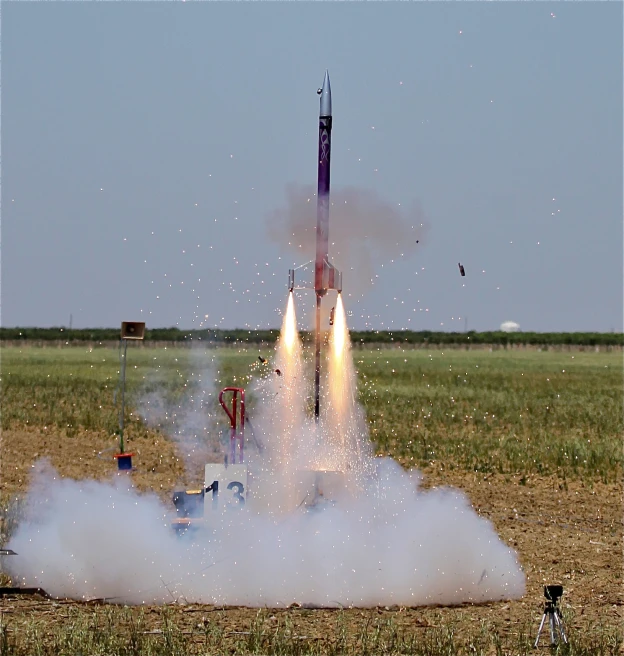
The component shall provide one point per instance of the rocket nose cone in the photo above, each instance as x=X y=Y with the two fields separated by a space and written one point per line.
x=326 y=103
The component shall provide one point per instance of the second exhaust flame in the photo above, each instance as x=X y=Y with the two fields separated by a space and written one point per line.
x=290 y=325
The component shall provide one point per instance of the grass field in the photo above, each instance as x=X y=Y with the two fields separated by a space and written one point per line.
x=533 y=438
x=523 y=412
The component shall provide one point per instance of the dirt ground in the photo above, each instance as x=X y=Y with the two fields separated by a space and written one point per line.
x=87 y=455
x=564 y=532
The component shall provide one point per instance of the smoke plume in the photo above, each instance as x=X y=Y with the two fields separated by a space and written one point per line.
x=189 y=419
x=364 y=231
x=399 y=545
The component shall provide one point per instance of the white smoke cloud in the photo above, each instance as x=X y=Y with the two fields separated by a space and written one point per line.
x=393 y=544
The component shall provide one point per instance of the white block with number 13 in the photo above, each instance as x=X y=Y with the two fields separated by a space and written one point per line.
x=225 y=488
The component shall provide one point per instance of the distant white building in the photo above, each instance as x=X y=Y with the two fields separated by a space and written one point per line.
x=510 y=327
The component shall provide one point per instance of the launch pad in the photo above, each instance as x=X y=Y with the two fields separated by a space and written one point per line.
x=230 y=486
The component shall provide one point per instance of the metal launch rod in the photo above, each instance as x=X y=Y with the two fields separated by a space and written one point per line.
x=123 y=396
x=317 y=356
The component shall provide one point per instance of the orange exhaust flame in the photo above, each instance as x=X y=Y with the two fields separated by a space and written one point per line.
x=289 y=329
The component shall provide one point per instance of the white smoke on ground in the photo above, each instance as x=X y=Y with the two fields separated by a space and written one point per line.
x=189 y=419
x=393 y=544
x=377 y=539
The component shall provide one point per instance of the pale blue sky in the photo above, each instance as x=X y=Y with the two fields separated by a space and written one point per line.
x=188 y=120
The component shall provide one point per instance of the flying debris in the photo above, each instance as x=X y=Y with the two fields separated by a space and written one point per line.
x=278 y=372
x=461 y=269
x=418 y=241
x=263 y=360
x=331 y=316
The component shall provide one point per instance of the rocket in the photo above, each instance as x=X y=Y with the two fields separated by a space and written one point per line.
x=324 y=273
x=326 y=276
x=322 y=199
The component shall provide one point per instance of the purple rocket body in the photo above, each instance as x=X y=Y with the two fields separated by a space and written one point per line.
x=321 y=282
x=326 y=276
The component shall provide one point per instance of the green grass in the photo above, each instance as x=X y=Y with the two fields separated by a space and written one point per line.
x=521 y=412
x=125 y=632
x=77 y=388
x=511 y=412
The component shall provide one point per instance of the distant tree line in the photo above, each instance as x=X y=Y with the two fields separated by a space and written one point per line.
x=490 y=337
x=241 y=336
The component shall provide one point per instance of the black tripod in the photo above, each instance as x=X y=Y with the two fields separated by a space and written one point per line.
x=551 y=610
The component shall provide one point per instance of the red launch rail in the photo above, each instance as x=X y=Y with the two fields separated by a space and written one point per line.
x=235 y=435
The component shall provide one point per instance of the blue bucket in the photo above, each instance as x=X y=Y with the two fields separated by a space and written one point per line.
x=124 y=461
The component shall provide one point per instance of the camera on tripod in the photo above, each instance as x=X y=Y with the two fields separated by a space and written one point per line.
x=553 y=593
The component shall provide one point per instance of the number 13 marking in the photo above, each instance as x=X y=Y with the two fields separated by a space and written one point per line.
x=238 y=500
x=238 y=489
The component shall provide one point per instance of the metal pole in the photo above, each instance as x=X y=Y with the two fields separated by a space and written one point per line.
x=242 y=427
x=233 y=428
x=539 y=631
x=317 y=370
x=551 y=626
x=123 y=397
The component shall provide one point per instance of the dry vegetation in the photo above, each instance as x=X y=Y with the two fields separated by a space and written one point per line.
x=533 y=439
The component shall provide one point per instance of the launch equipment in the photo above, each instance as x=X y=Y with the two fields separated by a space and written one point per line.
x=236 y=436
x=130 y=330
x=551 y=611
x=226 y=486
x=189 y=504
